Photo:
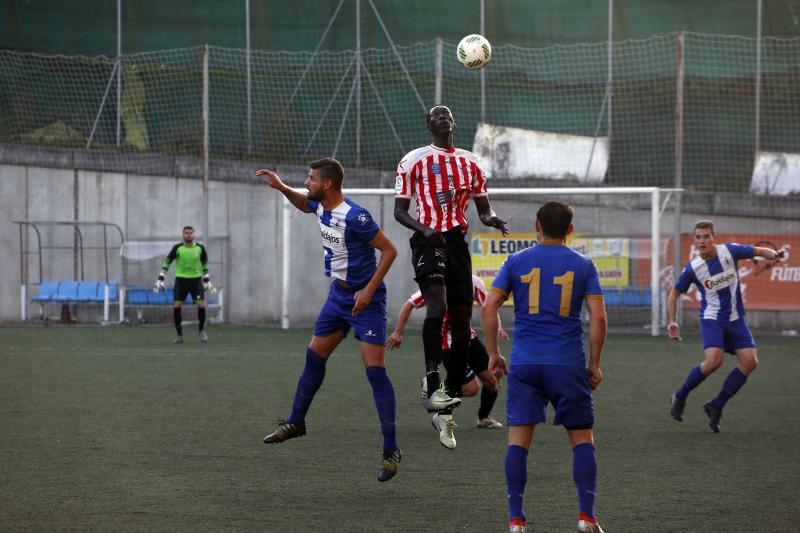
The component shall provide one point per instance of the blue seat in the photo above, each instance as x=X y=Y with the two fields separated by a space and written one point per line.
x=87 y=291
x=637 y=296
x=67 y=292
x=612 y=297
x=138 y=294
x=113 y=291
x=161 y=297
x=627 y=296
x=47 y=291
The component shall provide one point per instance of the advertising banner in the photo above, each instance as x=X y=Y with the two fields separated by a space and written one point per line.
x=611 y=255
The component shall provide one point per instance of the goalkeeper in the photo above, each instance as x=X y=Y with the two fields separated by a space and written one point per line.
x=191 y=277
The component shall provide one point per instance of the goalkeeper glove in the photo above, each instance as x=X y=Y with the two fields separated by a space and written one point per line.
x=159 y=285
x=207 y=285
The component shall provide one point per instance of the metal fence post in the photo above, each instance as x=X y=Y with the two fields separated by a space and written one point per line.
x=679 y=89
x=758 y=78
x=249 y=80
x=206 y=232
x=119 y=70
x=483 y=71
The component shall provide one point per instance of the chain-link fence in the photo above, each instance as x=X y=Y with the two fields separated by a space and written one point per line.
x=698 y=96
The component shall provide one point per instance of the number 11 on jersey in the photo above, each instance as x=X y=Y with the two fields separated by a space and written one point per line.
x=533 y=279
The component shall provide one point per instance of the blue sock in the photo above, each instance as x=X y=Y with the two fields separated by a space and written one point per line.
x=310 y=381
x=584 y=472
x=694 y=379
x=733 y=383
x=516 y=478
x=385 y=403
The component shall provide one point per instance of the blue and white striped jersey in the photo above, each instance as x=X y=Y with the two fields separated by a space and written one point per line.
x=347 y=230
x=718 y=282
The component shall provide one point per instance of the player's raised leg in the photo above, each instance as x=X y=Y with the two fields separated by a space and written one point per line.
x=712 y=361
x=432 y=346
x=310 y=381
x=459 y=315
x=386 y=406
x=748 y=361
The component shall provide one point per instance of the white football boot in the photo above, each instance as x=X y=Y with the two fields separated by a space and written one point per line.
x=444 y=424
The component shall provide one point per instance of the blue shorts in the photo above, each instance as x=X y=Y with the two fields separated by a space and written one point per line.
x=532 y=387
x=337 y=315
x=730 y=336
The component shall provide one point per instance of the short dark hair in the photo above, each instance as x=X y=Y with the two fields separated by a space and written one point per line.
x=330 y=169
x=705 y=224
x=188 y=227
x=555 y=217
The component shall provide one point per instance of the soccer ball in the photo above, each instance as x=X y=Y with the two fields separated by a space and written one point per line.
x=474 y=51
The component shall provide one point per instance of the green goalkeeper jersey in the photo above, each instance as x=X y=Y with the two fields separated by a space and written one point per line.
x=190 y=261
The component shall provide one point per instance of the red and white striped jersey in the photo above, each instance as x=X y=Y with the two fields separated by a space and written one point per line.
x=478 y=295
x=442 y=181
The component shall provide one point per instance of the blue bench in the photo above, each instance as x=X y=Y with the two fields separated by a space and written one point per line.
x=139 y=295
x=47 y=291
x=76 y=291
x=142 y=296
x=627 y=296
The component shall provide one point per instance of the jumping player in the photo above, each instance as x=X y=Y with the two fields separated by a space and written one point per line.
x=477 y=377
x=549 y=283
x=722 y=323
x=442 y=178
x=357 y=299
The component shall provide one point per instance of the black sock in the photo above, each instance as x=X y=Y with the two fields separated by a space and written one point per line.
x=201 y=317
x=457 y=367
x=432 y=344
x=487 y=402
x=176 y=317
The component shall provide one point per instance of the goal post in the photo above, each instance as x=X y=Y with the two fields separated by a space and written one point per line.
x=620 y=228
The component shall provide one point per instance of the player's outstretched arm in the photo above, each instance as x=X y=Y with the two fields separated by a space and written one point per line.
x=388 y=254
x=488 y=216
x=673 y=331
x=598 y=328
x=296 y=198
x=396 y=338
x=767 y=253
x=491 y=326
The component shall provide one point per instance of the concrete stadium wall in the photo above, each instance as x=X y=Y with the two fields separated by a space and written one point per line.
x=248 y=216
x=145 y=207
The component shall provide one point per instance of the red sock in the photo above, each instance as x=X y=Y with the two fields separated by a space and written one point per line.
x=586 y=518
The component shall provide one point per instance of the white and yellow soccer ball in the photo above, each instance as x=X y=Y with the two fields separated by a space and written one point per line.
x=474 y=51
